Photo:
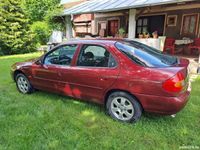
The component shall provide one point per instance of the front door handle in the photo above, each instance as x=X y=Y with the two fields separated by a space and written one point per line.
x=59 y=74
x=104 y=78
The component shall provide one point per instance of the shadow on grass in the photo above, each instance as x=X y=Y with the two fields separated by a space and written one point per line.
x=67 y=99
x=95 y=108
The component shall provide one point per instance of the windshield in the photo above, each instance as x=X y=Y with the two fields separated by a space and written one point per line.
x=145 y=55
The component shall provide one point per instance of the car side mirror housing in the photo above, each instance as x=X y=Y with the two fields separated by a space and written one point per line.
x=38 y=62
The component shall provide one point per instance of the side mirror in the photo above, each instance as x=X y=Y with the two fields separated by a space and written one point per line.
x=38 y=62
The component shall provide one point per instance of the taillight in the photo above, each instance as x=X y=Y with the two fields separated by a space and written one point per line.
x=175 y=84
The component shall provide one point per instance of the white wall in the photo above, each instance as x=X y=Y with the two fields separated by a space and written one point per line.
x=132 y=24
x=69 y=33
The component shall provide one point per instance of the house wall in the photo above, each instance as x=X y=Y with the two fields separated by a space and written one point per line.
x=121 y=16
x=179 y=11
x=83 y=17
x=176 y=30
x=83 y=24
x=91 y=22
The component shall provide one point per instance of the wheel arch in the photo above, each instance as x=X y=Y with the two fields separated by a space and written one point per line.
x=120 y=90
x=16 y=72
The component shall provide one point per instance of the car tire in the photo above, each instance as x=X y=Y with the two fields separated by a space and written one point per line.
x=123 y=107
x=23 y=84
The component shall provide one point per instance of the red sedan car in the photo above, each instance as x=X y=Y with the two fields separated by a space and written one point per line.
x=126 y=76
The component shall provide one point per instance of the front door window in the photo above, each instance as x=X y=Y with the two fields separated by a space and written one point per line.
x=61 y=56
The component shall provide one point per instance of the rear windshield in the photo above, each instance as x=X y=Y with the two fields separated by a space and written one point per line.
x=145 y=55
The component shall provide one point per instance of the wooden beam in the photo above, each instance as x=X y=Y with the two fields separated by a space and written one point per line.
x=110 y=14
x=171 y=8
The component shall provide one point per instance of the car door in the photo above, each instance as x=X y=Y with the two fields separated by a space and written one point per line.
x=47 y=75
x=95 y=71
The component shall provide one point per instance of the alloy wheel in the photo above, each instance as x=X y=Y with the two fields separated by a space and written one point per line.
x=22 y=84
x=122 y=108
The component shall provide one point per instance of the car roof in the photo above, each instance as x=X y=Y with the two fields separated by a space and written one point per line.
x=93 y=41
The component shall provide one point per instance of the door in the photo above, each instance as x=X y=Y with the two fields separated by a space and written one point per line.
x=96 y=71
x=47 y=75
x=156 y=23
x=113 y=27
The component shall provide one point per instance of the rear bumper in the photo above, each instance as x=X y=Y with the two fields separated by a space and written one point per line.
x=164 y=105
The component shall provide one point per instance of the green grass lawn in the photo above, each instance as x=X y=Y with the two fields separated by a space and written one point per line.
x=48 y=121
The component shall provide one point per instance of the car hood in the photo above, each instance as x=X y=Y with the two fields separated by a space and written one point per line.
x=28 y=62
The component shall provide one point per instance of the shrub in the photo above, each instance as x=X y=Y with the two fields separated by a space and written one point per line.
x=41 y=31
x=15 y=34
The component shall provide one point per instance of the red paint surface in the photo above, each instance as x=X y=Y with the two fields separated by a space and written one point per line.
x=93 y=84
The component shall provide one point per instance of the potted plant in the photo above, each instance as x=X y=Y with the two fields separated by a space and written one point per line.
x=146 y=35
x=140 y=36
x=155 y=34
x=122 y=33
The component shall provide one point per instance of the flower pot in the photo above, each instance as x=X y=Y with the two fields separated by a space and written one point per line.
x=140 y=36
x=146 y=36
x=155 y=36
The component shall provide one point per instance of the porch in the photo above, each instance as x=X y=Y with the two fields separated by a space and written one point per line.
x=148 y=24
x=153 y=23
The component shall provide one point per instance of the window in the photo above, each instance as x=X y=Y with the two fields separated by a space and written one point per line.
x=144 y=55
x=142 y=25
x=171 y=20
x=95 y=56
x=61 y=56
x=189 y=24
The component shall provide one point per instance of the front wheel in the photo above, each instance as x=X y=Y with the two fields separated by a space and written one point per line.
x=123 y=107
x=23 y=84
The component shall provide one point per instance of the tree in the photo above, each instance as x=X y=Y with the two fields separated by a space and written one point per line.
x=44 y=17
x=42 y=32
x=15 y=34
x=38 y=9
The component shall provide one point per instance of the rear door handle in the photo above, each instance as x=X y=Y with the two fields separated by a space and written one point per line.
x=59 y=74
x=103 y=78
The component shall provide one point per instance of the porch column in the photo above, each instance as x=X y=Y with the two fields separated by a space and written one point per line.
x=69 y=34
x=93 y=27
x=132 y=24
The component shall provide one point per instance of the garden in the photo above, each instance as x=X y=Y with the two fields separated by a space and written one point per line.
x=48 y=121
x=44 y=120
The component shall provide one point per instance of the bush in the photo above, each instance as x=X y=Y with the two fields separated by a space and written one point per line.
x=55 y=21
x=41 y=31
x=15 y=34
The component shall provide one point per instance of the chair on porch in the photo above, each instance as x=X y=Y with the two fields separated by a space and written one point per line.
x=169 y=45
x=195 y=45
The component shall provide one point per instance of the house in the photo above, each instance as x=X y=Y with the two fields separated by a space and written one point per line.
x=82 y=22
x=170 y=18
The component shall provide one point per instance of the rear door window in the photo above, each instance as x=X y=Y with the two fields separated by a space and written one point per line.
x=144 y=55
x=95 y=56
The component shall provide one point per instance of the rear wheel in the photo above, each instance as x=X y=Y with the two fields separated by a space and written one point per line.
x=23 y=84
x=123 y=107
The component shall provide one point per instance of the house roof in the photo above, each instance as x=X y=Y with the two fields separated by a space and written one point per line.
x=114 y=5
